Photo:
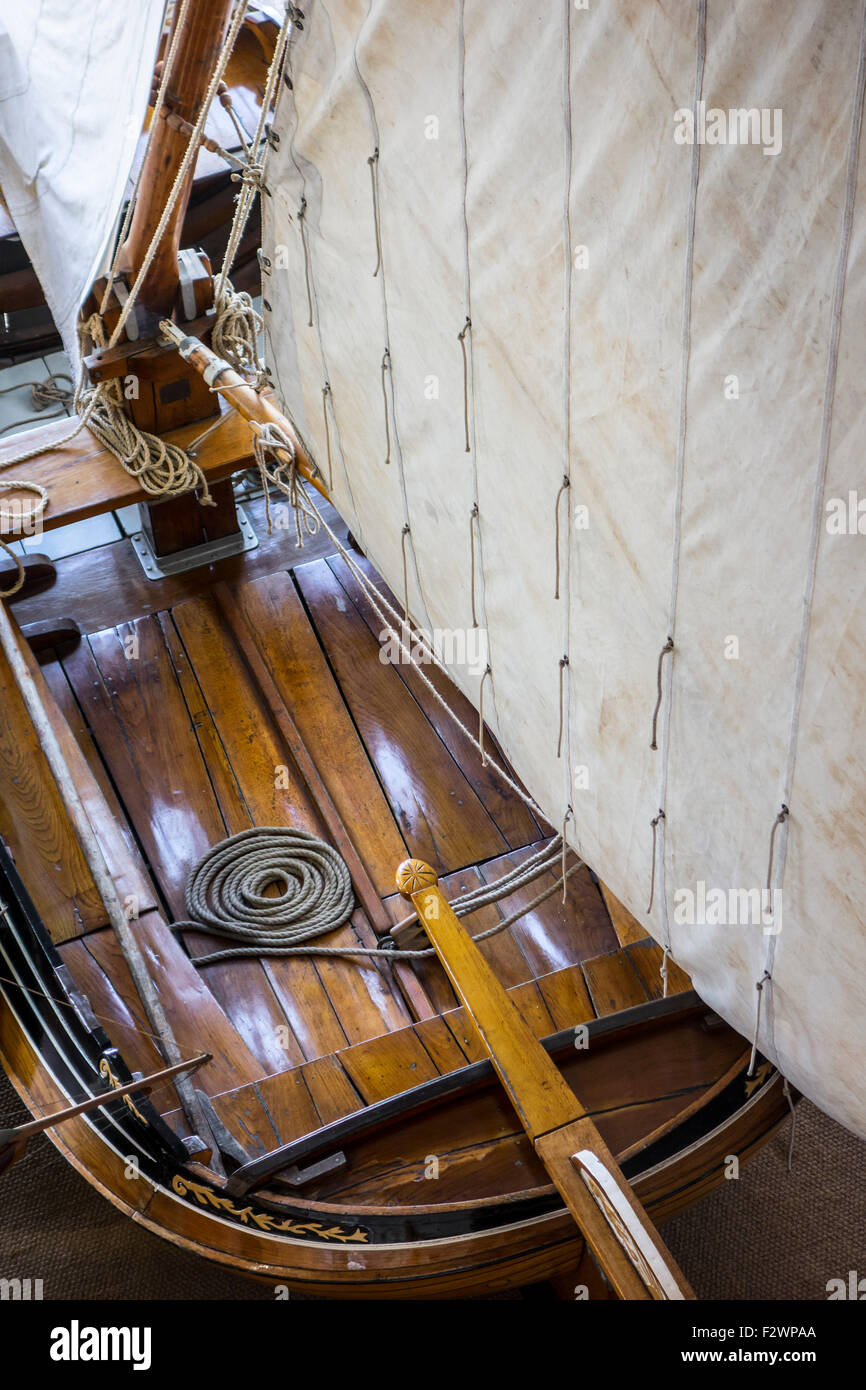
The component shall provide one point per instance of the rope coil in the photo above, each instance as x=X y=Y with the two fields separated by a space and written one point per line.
x=225 y=891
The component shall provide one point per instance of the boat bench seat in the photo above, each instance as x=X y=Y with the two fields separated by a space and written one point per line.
x=83 y=479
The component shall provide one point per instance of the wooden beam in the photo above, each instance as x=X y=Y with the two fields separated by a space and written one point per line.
x=616 y=1228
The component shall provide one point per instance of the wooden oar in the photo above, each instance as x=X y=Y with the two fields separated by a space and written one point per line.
x=13 y=1142
x=617 y=1230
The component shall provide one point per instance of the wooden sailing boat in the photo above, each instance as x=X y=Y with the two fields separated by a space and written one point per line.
x=371 y=1125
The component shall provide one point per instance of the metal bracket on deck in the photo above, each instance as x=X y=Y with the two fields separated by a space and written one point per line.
x=162 y=566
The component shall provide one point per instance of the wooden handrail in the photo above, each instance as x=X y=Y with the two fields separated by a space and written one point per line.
x=617 y=1230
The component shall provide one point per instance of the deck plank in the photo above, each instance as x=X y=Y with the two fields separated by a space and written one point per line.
x=34 y=821
x=386 y=1066
x=646 y=957
x=195 y=1016
x=120 y=1014
x=567 y=997
x=332 y=1092
x=440 y=816
x=303 y=678
x=555 y=935
x=514 y=819
x=628 y=929
x=613 y=983
x=135 y=708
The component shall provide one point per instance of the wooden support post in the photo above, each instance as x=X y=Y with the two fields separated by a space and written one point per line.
x=616 y=1228
x=183 y=522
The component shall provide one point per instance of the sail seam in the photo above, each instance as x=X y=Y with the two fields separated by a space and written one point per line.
x=565 y=663
x=688 y=279
x=383 y=279
x=467 y=343
x=310 y=281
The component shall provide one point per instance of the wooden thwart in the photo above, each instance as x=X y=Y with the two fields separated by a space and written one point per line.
x=615 y=1226
x=83 y=479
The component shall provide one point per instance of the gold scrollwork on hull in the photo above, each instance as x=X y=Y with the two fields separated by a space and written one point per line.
x=753 y=1082
x=264 y=1220
x=115 y=1083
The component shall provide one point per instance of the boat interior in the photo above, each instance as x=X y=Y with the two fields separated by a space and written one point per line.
x=175 y=723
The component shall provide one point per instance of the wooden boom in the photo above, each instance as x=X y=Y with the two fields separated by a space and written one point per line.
x=617 y=1230
x=255 y=408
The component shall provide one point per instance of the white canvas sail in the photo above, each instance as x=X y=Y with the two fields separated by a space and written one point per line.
x=73 y=95
x=674 y=324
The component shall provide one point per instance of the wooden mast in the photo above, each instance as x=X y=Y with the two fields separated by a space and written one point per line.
x=199 y=44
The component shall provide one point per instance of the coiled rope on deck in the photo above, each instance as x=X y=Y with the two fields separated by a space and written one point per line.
x=225 y=891
x=224 y=894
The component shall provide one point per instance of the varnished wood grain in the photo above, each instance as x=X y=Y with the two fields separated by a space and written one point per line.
x=555 y=934
x=127 y=688
x=125 y=593
x=83 y=479
x=646 y=957
x=626 y=926
x=613 y=983
x=386 y=1066
x=34 y=821
x=305 y=682
x=550 y=1112
x=437 y=811
x=514 y=820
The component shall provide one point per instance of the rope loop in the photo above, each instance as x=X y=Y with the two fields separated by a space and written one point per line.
x=668 y=647
x=654 y=823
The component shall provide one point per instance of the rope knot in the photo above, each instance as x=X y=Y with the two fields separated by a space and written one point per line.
x=251 y=176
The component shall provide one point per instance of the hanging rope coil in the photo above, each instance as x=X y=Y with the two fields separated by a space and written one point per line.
x=386 y=367
x=269 y=441
x=225 y=891
x=655 y=824
x=668 y=647
x=461 y=336
x=236 y=330
x=565 y=485
x=161 y=469
x=373 y=163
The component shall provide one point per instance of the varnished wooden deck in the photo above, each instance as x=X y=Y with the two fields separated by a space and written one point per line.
x=174 y=728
